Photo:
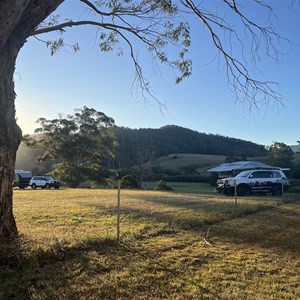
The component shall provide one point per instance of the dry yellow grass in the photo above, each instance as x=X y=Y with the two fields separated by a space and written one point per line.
x=82 y=212
x=173 y=246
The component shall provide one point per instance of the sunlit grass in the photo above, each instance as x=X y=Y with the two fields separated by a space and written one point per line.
x=71 y=214
x=173 y=246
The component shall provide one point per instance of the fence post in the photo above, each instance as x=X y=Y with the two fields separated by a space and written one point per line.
x=118 y=211
x=235 y=193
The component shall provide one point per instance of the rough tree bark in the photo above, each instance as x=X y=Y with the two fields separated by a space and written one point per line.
x=18 y=19
x=10 y=138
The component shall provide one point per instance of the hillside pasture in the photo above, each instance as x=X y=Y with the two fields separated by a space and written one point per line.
x=173 y=246
x=177 y=161
x=200 y=162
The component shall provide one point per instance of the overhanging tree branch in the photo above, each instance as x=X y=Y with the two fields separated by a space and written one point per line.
x=244 y=86
x=158 y=25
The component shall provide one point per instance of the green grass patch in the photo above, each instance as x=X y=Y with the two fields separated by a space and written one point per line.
x=201 y=162
x=197 y=187
x=177 y=161
x=185 y=187
x=173 y=246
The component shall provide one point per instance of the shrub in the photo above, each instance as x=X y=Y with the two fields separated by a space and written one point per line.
x=129 y=182
x=162 y=186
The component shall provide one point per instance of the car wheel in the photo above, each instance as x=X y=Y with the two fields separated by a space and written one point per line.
x=33 y=186
x=47 y=186
x=241 y=190
x=277 y=190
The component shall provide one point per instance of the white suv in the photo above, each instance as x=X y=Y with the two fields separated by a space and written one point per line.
x=254 y=181
x=45 y=182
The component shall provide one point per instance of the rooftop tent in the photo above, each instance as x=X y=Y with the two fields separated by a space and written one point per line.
x=240 y=166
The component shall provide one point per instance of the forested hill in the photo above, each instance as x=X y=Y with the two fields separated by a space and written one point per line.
x=137 y=146
x=173 y=139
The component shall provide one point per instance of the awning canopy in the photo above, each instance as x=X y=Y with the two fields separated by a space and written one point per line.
x=240 y=165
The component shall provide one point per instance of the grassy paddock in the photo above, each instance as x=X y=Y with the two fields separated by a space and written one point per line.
x=184 y=187
x=85 y=213
x=174 y=246
x=189 y=187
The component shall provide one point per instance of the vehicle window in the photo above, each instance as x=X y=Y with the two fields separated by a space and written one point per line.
x=243 y=174
x=266 y=174
x=255 y=175
x=276 y=174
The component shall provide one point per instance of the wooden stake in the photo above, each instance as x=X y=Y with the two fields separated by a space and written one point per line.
x=118 y=211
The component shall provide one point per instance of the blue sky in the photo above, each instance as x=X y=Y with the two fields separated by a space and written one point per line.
x=49 y=85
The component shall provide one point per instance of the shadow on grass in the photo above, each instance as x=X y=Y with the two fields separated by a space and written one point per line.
x=105 y=269
x=276 y=229
x=269 y=225
x=185 y=213
x=11 y=266
x=31 y=272
x=93 y=269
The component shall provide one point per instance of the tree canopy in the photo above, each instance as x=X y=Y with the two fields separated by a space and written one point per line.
x=280 y=155
x=78 y=144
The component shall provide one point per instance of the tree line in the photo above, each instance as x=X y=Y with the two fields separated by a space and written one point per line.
x=87 y=145
x=172 y=139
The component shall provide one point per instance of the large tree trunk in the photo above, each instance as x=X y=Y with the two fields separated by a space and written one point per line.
x=18 y=20
x=10 y=138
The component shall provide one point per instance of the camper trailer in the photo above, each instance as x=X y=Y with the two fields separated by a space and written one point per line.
x=22 y=178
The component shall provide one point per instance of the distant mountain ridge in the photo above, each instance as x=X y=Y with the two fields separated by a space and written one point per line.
x=137 y=145
x=175 y=139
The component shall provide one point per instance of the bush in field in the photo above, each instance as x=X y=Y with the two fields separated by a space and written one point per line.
x=188 y=170
x=162 y=186
x=129 y=182
x=107 y=183
x=87 y=184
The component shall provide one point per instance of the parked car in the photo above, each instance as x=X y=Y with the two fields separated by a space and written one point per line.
x=22 y=178
x=44 y=182
x=254 y=181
